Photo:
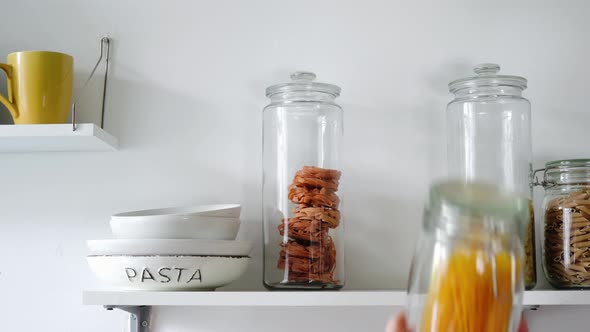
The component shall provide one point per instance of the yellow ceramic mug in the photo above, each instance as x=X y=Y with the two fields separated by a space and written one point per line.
x=40 y=86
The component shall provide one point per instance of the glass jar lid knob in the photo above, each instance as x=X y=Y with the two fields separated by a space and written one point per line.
x=486 y=69
x=487 y=77
x=303 y=76
x=304 y=82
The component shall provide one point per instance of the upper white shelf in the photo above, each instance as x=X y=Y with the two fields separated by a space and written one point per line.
x=55 y=137
x=298 y=298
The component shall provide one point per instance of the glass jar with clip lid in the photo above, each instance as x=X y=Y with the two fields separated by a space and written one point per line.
x=566 y=222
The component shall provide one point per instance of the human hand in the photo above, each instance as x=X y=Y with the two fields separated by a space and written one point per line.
x=399 y=324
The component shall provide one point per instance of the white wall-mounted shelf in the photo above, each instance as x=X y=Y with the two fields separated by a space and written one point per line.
x=258 y=298
x=55 y=138
x=295 y=299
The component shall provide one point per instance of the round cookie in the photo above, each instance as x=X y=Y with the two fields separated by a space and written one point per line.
x=295 y=249
x=301 y=265
x=325 y=264
x=306 y=230
x=301 y=181
x=313 y=196
x=319 y=173
x=329 y=216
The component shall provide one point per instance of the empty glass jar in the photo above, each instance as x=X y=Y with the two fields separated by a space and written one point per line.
x=566 y=223
x=467 y=271
x=489 y=140
x=302 y=139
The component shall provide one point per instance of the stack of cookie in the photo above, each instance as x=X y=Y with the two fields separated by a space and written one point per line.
x=308 y=254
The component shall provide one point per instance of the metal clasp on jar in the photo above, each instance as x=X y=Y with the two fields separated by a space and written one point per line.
x=545 y=183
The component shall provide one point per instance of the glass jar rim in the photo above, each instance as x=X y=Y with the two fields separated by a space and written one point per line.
x=474 y=199
x=565 y=163
x=566 y=172
x=487 y=77
x=303 y=81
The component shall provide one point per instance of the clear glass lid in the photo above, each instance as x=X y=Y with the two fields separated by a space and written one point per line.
x=570 y=171
x=487 y=76
x=303 y=81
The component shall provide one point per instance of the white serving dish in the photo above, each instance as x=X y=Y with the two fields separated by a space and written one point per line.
x=215 y=222
x=149 y=247
x=212 y=210
x=167 y=273
x=175 y=227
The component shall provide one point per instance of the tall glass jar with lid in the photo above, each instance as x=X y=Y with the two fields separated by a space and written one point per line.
x=489 y=140
x=302 y=141
x=467 y=271
x=566 y=223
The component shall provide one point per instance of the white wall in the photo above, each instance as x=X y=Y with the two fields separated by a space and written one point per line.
x=185 y=98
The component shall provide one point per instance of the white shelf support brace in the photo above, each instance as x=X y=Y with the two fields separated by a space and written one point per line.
x=104 y=54
x=139 y=320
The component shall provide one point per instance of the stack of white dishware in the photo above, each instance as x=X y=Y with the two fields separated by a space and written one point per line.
x=186 y=248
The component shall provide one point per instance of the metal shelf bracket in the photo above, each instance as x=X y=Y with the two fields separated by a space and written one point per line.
x=139 y=320
x=104 y=54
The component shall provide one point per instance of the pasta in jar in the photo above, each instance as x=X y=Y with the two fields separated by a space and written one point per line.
x=567 y=240
x=566 y=223
x=468 y=270
x=472 y=292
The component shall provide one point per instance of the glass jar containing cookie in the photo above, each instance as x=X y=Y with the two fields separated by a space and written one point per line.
x=566 y=223
x=302 y=138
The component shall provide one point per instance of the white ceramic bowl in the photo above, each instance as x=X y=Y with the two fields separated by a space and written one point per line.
x=167 y=272
x=148 y=247
x=213 y=210
x=215 y=222
x=175 y=227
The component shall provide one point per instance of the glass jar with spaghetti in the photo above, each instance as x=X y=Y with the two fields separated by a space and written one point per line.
x=566 y=223
x=467 y=272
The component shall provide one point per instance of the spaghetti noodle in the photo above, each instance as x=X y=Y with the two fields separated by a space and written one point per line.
x=472 y=292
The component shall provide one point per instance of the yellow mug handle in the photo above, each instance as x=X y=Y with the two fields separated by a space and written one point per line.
x=9 y=103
